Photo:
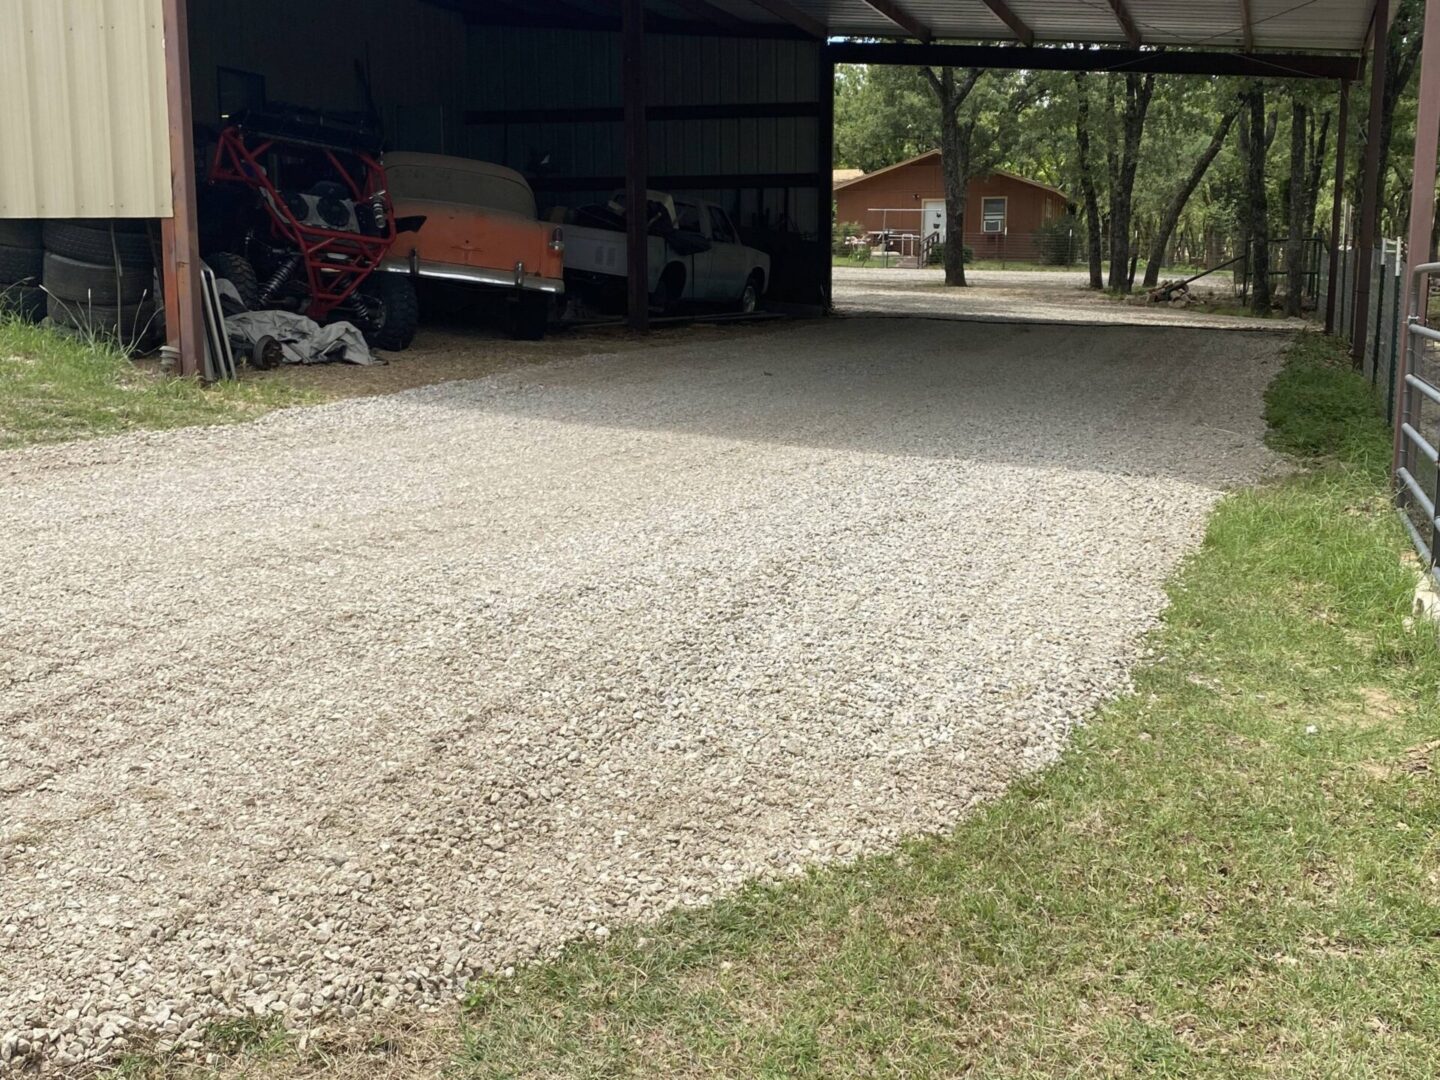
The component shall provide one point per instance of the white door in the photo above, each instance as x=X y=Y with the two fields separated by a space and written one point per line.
x=934 y=217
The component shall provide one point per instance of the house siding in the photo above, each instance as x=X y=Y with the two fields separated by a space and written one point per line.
x=906 y=189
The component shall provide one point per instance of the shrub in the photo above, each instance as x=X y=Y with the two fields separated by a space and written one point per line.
x=1058 y=241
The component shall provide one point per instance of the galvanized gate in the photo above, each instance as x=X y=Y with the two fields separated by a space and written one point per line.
x=1417 y=441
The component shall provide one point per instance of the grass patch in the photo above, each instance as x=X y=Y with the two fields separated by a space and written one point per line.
x=1234 y=872
x=56 y=386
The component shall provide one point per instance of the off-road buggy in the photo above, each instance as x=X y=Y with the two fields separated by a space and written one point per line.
x=297 y=216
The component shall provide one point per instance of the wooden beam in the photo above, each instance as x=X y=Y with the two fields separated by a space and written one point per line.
x=180 y=233
x=1247 y=25
x=1127 y=24
x=1040 y=58
x=1014 y=22
x=901 y=18
x=789 y=13
x=637 y=180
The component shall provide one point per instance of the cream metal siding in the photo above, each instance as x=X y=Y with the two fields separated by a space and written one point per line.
x=83 y=129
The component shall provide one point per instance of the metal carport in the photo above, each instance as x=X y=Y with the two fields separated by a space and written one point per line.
x=730 y=97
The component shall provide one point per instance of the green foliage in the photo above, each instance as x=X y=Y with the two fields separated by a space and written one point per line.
x=845 y=232
x=1232 y=872
x=1060 y=241
x=1319 y=406
x=56 y=386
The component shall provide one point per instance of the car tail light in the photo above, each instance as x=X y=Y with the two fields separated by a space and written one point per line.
x=557 y=241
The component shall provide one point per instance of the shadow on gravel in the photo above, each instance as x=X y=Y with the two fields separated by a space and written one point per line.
x=1143 y=401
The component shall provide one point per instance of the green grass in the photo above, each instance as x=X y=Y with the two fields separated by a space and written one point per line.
x=1234 y=871
x=56 y=386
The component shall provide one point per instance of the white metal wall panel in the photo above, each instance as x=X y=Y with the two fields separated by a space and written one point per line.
x=83 y=129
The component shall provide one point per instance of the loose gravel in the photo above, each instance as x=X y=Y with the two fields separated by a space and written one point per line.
x=321 y=716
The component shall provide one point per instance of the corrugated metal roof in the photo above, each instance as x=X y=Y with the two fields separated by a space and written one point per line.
x=1327 y=25
x=82 y=115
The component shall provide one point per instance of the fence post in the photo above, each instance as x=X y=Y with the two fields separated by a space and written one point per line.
x=1378 y=276
x=1396 y=319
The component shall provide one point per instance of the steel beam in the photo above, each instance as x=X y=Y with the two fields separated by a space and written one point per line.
x=1333 y=285
x=1422 y=191
x=1247 y=25
x=1014 y=22
x=179 y=233
x=1127 y=24
x=787 y=12
x=709 y=13
x=632 y=94
x=824 y=188
x=1041 y=58
x=900 y=17
x=1370 y=183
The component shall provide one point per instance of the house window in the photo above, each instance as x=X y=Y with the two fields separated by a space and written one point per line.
x=992 y=215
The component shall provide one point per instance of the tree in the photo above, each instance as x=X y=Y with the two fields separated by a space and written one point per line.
x=1087 y=178
x=1255 y=144
x=1298 y=230
x=1182 y=195
x=1123 y=162
x=957 y=135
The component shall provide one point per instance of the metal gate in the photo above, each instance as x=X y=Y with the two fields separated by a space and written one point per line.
x=1417 y=442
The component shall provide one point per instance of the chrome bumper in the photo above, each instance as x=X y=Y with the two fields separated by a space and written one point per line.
x=518 y=278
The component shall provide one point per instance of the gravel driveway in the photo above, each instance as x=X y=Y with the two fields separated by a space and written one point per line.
x=320 y=715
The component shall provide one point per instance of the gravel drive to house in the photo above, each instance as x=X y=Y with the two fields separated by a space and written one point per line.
x=320 y=715
x=1050 y=296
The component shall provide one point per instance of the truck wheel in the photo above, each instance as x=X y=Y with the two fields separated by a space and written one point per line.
x=529 y=317
x=670 y=289
x=24 y=301
x=750 y=295
x=99 y=243
x=397 y=312
x=104 y=286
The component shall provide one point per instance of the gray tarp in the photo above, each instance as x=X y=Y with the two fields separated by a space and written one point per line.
x=302 y=340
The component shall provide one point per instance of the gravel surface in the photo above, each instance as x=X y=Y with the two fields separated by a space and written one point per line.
x=320 y=715
x=1053 y=296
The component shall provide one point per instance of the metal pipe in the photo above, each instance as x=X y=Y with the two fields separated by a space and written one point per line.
x=1420 y=441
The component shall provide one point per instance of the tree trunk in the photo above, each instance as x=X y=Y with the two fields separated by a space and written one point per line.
x=1182 y=196
x=1087 y=181
x=955 y=146
x=1295 y=237
x=1138 y=91
x=1258 y=223
x=1317 y=169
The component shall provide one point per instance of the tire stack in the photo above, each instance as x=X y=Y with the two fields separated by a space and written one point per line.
x=21 y=260
x=100 y=279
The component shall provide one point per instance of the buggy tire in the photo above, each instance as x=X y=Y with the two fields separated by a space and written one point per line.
x=70 y=279
x=529 y=317
x=20 y=265
x=20 y=232
x=95 y=243
x=399 y=311
x=26 y=301
x=240 y=272
x=130 y=326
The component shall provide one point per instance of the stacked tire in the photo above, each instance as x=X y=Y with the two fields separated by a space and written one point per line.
x=21 y=262
x=99 y=279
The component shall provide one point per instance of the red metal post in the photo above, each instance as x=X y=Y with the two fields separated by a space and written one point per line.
x=1333 y=285
x=632 y=79
x=1370 y=180
x=1422 y=193
x=179 y=233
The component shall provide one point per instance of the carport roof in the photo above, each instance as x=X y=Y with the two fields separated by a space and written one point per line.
x=1251 y=25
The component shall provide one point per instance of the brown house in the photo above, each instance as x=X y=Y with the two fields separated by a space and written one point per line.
x=1002 y=210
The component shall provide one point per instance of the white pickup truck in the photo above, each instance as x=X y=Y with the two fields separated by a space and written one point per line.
x=695 y=255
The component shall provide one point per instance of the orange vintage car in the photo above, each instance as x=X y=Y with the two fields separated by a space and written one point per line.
x=481 y=229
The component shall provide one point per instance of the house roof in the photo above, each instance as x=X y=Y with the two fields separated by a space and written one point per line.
x=935 y=154
x=844 y=176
